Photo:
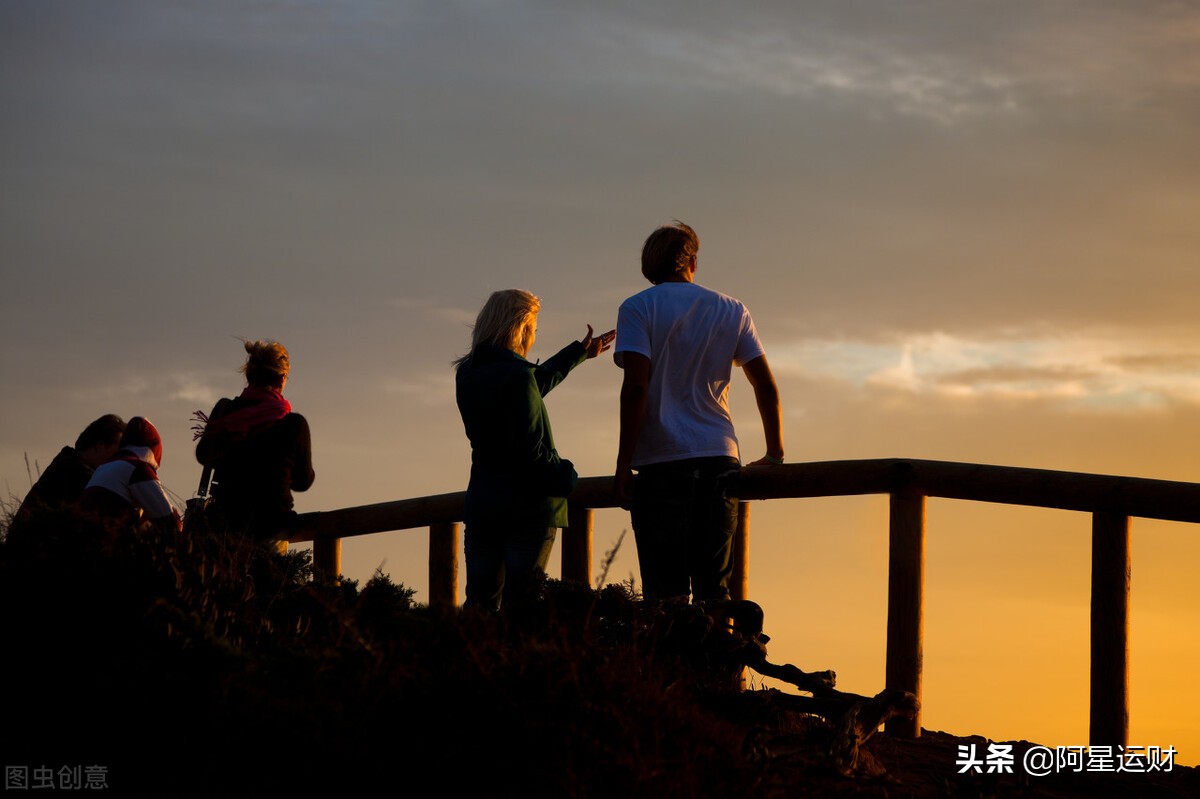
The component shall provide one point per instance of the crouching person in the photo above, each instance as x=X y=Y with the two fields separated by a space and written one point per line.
x=125 y=493
x=61 y=485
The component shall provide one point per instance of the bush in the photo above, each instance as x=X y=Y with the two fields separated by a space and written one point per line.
x=211 y=665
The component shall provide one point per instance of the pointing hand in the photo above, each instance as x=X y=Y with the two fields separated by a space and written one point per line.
x=598 y=344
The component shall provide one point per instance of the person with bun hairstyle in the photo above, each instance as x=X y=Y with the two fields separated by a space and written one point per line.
x=516 y=497
x=258 y=449
x=125 y=491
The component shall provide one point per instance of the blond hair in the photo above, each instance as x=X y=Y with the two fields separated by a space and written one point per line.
x=266 y=363
x=506 y=320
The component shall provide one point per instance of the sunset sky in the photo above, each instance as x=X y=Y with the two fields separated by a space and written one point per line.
x=967 y=231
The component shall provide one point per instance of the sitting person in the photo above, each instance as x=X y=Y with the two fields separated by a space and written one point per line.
x=125 y=491
x=61 y=485
x=259 y=451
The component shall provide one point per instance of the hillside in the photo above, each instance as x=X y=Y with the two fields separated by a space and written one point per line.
x=209 y=666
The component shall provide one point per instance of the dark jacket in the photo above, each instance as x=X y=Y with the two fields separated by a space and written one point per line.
x=254 y=475
x=516 y=474
x=59 y=486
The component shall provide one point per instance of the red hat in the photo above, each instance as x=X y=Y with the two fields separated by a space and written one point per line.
x=140 y=433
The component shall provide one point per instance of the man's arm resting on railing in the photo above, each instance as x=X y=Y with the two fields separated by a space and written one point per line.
x=766 y=396
x=635 y=387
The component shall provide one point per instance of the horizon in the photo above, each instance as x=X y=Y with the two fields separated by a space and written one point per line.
x=962 y=235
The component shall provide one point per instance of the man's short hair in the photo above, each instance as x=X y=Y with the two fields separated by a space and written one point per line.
x=667 y=251
x=108 y=429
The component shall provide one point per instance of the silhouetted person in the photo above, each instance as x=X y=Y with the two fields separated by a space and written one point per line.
x=61 y=484
x=259 y=450
x=125 y=491
x=516 y=498
x=677 y=343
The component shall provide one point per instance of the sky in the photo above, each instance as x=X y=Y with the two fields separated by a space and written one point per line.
x=966 y=231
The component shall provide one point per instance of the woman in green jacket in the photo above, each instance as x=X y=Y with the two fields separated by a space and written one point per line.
x=517 y=496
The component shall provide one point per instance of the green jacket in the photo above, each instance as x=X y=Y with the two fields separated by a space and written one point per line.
x=516 y=474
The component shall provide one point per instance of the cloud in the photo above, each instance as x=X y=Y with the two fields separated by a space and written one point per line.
x=121 y=389
x=936 y=60
x=434 y=309
x=192 y=388
x=434 y=389
x=149 y=386
x=1099 y=371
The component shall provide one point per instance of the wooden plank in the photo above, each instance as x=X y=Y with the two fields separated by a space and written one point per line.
x=1110 y=630
x=1129 y=496
x=818 y=479
x=1045 y=488
x=443 y=565
x=327 y=557
x=403 y=514
x=577 y=545
x=739 y=582
x=906 y=615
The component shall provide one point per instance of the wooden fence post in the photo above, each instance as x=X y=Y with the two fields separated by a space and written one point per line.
x=739 y=582
x=443 y=565
x=327 y=557
x=577 y=546
x=1110 y=630
x=906 y=618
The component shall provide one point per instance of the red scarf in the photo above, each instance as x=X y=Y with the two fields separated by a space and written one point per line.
x=131 y=457
x=267 y=406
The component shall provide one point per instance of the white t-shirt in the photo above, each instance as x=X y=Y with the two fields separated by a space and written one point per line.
x=693 y=336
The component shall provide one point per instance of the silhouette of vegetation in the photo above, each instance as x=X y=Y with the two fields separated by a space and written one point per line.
x=209 y=665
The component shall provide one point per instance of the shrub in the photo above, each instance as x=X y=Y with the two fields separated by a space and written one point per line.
x=208 y=664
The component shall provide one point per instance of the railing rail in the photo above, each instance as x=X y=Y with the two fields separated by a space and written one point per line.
x=1110 y=499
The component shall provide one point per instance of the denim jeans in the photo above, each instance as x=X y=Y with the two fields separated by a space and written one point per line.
x=504 y=560
x=684 y=516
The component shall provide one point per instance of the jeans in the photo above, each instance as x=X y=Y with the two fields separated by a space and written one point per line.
x=504 y=561
x=684 y=516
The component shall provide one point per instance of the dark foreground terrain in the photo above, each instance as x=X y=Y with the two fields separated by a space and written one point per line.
x=208 y=666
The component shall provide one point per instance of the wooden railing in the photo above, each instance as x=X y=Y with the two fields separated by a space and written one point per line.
x=1111 y=501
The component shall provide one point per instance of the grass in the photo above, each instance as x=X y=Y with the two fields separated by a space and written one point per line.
x=209 y=665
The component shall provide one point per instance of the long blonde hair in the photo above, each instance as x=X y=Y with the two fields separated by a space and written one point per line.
x=506 y=320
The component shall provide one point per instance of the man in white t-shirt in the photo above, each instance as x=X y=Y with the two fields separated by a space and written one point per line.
x=677 y=343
